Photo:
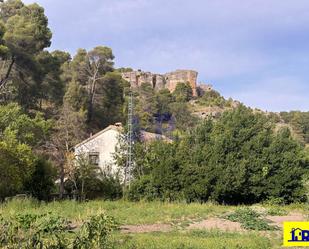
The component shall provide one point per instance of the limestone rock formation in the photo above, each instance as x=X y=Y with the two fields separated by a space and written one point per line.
x=159 y=81
x=177 y=76
x=203 y=88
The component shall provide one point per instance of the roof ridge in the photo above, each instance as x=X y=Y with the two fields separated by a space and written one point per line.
x=110 y=127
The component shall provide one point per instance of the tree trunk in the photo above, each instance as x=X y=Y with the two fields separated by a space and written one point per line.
x=8 y=72
x=61 y=187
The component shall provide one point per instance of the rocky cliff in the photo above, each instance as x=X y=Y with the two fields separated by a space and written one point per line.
x=159 y=81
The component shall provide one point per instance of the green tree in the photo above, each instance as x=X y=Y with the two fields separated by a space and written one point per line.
x=25 y=35
x=242 y=158
x=145 y=106
x=20 y=135
x=88 y=70
x=182 y=118
x=31 y=131
x=213 y=98
x=163 y=99
x=239 y=158
x=10 y=8
x=183 y=92
x=110 y=100
x=16 y=164
x=41 y=183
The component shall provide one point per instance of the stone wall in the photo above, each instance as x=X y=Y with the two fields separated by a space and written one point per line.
x=159 y=81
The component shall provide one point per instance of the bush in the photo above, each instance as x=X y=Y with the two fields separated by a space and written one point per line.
x=42 y=181
x=104 y=186
x=48 y=231
x=107 y=187
x=238 y=159
x=143 y=189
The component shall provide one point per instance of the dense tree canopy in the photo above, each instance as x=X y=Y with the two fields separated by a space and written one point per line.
x=19 y=136
x=238 y=159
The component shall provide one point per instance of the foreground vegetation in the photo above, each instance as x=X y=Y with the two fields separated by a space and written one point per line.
x=69 y=222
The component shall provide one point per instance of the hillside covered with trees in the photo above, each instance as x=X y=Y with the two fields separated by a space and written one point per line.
x=52 y=100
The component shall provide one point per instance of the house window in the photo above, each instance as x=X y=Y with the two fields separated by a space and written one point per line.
x=94 y=158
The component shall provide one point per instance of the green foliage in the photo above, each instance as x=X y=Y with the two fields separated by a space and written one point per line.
x=76 y=96
x=162 y=171
x=250 y=219
x=91 y=182
x=19 y=133
x=195 y=240
x=145 y=106
x=30 y=76
x=27 y=31
x=182 y=119
x=163 y=99
x=87 y=70
x=299 y=122
x=111 y=101
x=95 y=233
x=237 y=159
x=42 y=181
x=213 y=98
x=31 y=131
x=276 y=211
x=183 y=92
x=16 y=164
x=143 y=189
x=10 y=8
x=244 y=160
x=51 y=231
x=52 y=84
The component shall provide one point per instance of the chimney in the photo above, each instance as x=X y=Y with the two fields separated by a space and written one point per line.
x=118 y=124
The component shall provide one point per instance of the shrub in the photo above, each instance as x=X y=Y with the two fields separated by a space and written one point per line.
x=48 y=231
x=238 y=159
x=143 y=188
x=250 y=219
x=95 y=233
x=41 y=183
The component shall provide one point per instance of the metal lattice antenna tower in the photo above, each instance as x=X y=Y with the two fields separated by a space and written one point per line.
x=129 y=162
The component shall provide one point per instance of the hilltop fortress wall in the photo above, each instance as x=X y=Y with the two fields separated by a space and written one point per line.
x=159 y=81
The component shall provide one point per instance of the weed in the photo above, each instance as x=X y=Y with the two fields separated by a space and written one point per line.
x=51 y=231
x=276 y=211
x=250 y=219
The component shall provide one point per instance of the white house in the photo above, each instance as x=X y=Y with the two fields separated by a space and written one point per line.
x=101 y=147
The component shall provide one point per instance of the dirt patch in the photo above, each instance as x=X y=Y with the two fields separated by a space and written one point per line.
x=217 y=223
x=278 y=220
x=213 y=223
x=146 y=228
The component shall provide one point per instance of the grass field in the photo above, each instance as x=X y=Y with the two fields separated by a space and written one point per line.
x=178 y=215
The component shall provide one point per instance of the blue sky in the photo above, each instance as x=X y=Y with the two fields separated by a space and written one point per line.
x=255 y=51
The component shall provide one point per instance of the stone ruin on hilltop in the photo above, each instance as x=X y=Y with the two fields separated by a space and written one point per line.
x=168 y=80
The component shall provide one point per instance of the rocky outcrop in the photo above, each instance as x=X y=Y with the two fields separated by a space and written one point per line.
x=177 y=76
x=203 y=88
x=159 y=81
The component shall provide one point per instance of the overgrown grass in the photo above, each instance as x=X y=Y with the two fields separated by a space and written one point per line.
x=125 y=212
x=276 y=211
x=178 y=214
x=193 y=240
